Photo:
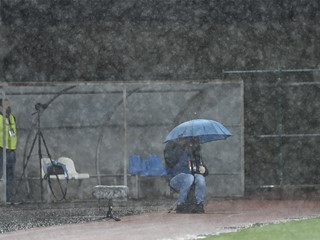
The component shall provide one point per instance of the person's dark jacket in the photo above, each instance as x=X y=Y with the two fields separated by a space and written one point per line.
x=182 y=166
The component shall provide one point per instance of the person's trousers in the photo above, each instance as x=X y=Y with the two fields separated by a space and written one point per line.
x=182 y=183
x=11 y=162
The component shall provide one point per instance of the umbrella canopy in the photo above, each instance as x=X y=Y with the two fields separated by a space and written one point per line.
x=206 y=130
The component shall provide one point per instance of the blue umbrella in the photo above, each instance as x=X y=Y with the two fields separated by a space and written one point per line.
x=206 y=130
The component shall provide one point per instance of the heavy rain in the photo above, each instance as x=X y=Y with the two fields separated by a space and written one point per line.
x=104 y=82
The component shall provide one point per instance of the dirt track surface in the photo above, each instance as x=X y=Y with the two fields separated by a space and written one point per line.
x=220 y=216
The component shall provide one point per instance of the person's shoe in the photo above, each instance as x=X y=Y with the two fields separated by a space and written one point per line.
x=182 y=208
x=198 y=208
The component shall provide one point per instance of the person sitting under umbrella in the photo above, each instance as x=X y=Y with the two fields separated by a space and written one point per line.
x=188 y=170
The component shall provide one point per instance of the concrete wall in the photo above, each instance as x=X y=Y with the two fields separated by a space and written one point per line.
x=100 y=125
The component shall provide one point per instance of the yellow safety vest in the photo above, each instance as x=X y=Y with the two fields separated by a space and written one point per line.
x=11 y=132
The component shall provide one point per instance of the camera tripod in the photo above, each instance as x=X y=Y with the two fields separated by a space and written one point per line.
x=110 y=212
x=39 y=138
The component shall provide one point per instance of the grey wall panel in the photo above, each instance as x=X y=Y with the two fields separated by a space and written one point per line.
x=100 y=129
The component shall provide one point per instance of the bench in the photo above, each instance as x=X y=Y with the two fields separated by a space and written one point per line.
x=105 y=192
x=149 y=168
x=72 y=174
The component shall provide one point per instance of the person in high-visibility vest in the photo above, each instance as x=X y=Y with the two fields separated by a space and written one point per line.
x=11 y=145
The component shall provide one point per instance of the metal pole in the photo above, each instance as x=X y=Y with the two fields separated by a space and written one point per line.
x=125 y=177
x=242 y=140
x=280 y=127
x=40 y=157
x=4 y=153
x=270 y=71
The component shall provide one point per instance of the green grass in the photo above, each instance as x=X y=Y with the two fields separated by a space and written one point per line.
x=294 y=230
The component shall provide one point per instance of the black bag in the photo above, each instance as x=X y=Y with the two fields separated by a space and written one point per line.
x=55 y=170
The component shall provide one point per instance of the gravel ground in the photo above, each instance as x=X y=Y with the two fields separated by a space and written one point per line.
x=28 y=215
